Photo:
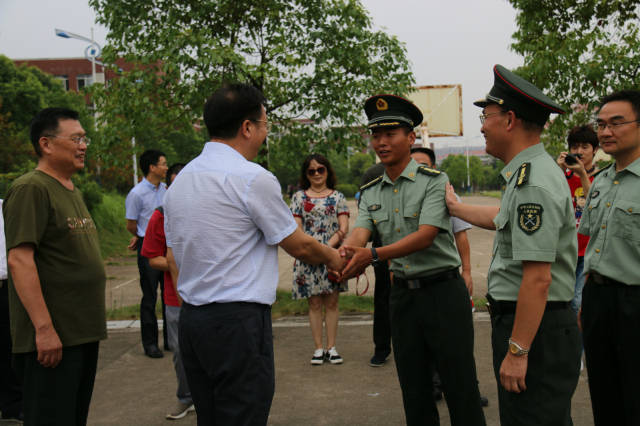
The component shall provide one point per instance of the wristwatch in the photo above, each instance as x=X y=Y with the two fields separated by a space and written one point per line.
x=516 y=349
x=375 y=260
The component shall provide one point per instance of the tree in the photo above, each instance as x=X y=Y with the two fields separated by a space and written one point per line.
x=578 y=51
x=313 y=59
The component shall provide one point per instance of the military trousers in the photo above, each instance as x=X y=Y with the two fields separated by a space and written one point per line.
x=552 y=372
x=433 y=325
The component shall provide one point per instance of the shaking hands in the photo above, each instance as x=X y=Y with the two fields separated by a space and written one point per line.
x=351 y=262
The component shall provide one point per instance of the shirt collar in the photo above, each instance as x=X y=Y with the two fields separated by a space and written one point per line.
x=217 y=148
x=528 y=154
x=633 y=167
x=409 y=172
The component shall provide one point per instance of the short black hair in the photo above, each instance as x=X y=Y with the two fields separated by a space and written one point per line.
x=46 y=122
x=148 y=158
x=229 y=107
x=581 y=134
x=331 y=176
x=174 y=169
x=428 y=151
x=631 y=96
x=529 y=126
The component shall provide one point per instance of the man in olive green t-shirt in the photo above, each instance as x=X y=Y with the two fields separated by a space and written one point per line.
x=57 y=278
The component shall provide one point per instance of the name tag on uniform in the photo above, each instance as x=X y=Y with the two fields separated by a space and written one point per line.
x=374 y=207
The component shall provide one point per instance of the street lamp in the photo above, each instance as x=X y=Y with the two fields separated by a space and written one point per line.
x=91 y=52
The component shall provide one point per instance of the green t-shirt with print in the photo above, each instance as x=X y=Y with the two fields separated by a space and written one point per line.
x=39 y=210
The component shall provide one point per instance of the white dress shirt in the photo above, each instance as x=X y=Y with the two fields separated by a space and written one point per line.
x=224 y=219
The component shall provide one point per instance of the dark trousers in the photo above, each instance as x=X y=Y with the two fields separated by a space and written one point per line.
x=149 y=280
x=611 y=332
x=227 y=352
x=381 y=316
x=552 y=372
x=60 y=395
x=429 y=325
x=10 y=389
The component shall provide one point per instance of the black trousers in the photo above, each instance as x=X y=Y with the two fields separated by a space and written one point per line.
x=552 y=372
x=60 y=395
x=227 y=352
x=149 y=280
x=429 y=325
x=10 y=389
x=611 y=332
x=381 y=316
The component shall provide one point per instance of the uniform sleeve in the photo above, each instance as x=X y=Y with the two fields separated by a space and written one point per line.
x=341 y=204
x=268 y=210
x=133 y=206
x=296 y=204
x=26 y=214
x=154 y=243
x=364 y=216
x=585 y=220
x=535 y=219
x=434 y=208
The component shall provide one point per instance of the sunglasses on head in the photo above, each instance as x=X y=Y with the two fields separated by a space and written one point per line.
x=319 y=170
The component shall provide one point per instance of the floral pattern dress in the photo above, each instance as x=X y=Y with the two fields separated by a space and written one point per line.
x=320 y=220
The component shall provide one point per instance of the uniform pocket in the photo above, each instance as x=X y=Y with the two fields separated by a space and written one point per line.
x=380 y=221
x=625 y=220
x=503 y=229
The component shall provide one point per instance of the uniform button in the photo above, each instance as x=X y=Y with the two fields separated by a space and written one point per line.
x=397 y=210
x=615 y=182
x=395 y=190
x=375 y=221
x=597 y=250
x=406 y=266
x=608 y=204
x=415 y=215
x=604 y=226
x=412 y=174
x=630 y=210
x=504 y=187
x=590 y=207
x=398 y=230
x=508 y=174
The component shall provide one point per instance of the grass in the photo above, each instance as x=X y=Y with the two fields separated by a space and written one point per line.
x=492 y=194
x=283 y=306
x=111 y=224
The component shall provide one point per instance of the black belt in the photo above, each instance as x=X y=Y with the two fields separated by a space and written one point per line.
x=502 y=307
x=603 y=280
x=421 y=282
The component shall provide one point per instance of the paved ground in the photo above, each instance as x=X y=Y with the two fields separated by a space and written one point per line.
x=132 y=389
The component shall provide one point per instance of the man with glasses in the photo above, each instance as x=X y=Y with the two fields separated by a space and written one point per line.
x=535 y=337
x=140 y=204
x=57 y=277
x=611 y=296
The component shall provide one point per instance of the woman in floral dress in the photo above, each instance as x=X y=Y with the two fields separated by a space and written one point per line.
x=321 y=212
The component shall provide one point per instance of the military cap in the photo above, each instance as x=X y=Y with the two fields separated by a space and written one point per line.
x=517 y=94
x=391 y=111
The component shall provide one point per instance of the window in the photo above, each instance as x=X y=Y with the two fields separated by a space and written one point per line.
x=84 y=80
x=64 y=80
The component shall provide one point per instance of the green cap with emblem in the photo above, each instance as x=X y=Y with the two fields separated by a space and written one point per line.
x=518 y=95
x=388 y=111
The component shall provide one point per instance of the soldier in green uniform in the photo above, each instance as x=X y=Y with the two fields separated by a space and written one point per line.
x=535 y=340
x=430 y=312
x=611 y=297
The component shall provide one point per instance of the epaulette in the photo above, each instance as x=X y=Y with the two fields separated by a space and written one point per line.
x=601 y=170
x=428 y=171
x=523 y=174
x=371 y=183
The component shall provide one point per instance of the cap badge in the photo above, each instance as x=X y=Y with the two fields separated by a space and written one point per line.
x=382 y=105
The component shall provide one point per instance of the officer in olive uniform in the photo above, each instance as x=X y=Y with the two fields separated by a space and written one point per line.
x=611 y=297
x=430 y=314
x=536 y=343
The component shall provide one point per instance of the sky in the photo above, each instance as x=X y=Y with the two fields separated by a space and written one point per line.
x=448 y=42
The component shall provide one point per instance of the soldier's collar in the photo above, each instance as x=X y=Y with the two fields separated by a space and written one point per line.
x=409 y=172
x=511 y=169
x=634 y=167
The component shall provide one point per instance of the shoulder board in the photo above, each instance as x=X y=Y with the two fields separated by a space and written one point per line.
x=371 y=183
x=523 y=174
x=428 y=171
x=601 y=170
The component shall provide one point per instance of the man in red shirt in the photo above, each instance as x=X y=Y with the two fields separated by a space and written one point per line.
x=154 y=247
x=583 y=145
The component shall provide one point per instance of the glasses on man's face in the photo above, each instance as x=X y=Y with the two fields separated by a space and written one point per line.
x=483 y=117
x=599 y=126
x=320 y=170
x=75 y=139
x=267 y=124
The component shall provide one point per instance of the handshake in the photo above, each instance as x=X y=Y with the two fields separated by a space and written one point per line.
x=347 y=262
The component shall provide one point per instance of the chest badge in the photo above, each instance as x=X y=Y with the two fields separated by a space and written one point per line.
x=374 y=207
x=594 y=194
x=530 y=217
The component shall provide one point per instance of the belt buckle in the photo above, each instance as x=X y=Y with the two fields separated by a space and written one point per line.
x=413 y=284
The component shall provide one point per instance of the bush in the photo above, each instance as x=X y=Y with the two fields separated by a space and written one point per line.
x=111 y=224
x=348 y=189
x=91 y=193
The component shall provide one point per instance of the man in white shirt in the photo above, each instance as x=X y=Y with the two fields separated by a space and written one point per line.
x=224 y=220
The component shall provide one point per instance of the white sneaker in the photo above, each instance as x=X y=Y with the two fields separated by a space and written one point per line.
x=333 y=356
x=180 y=411
x=318 y=357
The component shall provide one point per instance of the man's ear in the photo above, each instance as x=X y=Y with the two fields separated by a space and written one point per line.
x=245 y=129
x=44 y=143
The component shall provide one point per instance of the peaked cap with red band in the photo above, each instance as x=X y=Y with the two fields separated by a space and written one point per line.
x=389 y=111
x=518 y=95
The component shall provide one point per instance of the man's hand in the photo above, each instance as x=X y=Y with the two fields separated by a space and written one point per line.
x=450 y=197
x=49 y=347
x=336 y=263
x=468 y=281
x=513 y=371
x=133 y=243
x=359 y=258
x=580 y=319
x=577 y=168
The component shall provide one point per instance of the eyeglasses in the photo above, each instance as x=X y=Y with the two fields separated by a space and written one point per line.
x=483 y=117
x=75 y=139
x=319 y=170
x=599 y=126
x=267 y=124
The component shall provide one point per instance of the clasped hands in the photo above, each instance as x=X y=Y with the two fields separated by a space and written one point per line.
x=350 y=262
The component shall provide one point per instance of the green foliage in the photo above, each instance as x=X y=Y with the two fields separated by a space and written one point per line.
x=578 y=51
x=347 y=189
x=109 y=217
x=314 y=59
x=482 y=176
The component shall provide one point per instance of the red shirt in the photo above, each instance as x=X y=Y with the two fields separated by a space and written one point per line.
x=154 y=245
x=579 y=200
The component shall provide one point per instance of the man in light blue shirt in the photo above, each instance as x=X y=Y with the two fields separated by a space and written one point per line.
x=224 y=220
x=140 y=204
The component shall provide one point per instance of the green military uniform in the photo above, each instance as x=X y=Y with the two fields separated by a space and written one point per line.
x=611 y=297
x=431 y=321
x=536 y=222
